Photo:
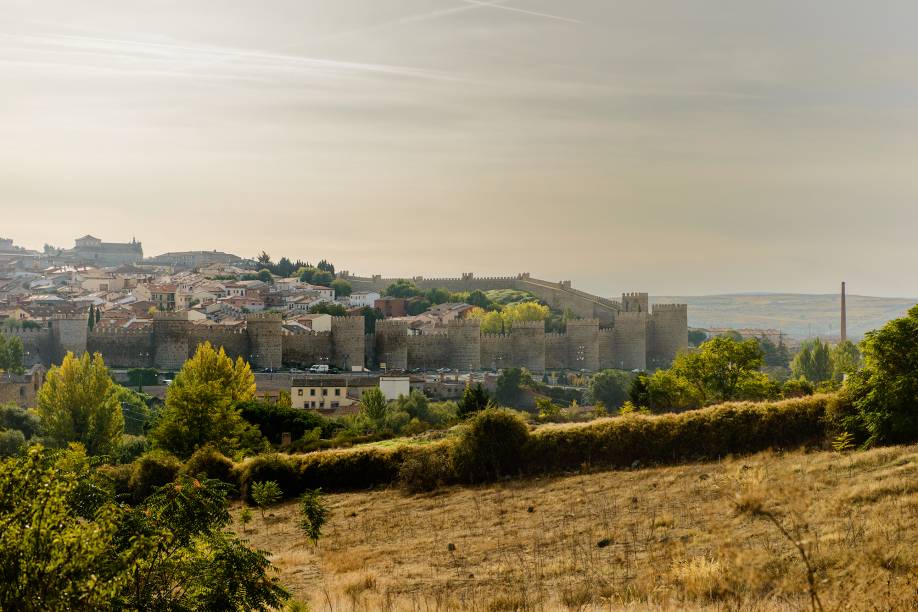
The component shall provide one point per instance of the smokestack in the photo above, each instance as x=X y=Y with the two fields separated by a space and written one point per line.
x=844 y=315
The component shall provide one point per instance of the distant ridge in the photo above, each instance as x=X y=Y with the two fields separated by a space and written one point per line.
x=798 y=315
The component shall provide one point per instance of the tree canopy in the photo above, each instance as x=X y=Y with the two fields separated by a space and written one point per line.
x=79 y=403
x=11 y=354
x=202 y=404
x=885 y=391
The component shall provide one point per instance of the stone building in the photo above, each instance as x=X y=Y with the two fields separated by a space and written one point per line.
x=91 y=250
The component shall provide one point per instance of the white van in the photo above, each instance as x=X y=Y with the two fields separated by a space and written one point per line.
x=319 y=369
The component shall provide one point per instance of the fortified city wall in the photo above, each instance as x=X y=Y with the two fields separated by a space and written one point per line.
x=638 y=337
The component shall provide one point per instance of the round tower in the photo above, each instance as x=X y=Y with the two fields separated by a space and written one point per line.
x=170 y=339
x=527 y=345
x=464 y=340
x=348 y=339
x=582 y=338
x=668 y=334
x=70 y=334
x=392 y=344
x=266 y=342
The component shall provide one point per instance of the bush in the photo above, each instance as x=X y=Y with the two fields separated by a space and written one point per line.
x=210 y=462
x=281 y=469
x=14 y=417
x=11 y=442
x=131 y=447
x=118 y=477
x=426 y=470
x=152 y=470
x=491 y=446
x=708 y=433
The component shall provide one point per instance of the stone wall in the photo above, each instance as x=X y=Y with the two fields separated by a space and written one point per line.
x=69 y=334
x=37 y=344
x=428 y=351
x=527 y=345
x=123 y=348
x=392 y=344
x=496 y=351
x=265 y=332
x=347 y=342
x=583 y=344
x=668 y=334
x=307 y=348
x=464 y=336
x=628 y=342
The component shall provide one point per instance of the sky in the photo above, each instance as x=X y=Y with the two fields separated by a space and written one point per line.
x=679 y=147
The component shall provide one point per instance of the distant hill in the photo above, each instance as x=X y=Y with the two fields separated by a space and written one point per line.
x=798 y=315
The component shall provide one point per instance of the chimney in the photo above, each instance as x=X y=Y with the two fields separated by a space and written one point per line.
x=844 y=315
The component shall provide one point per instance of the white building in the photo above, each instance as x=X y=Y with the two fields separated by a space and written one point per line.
x=394 y=386
x=361 y=299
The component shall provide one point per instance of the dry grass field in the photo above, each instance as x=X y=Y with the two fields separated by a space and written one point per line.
x=765 y=532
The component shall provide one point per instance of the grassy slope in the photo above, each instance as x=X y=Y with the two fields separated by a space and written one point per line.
x=673 y=539
x=795 y=314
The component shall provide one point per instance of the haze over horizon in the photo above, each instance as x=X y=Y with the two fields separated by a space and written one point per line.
x=707 y=148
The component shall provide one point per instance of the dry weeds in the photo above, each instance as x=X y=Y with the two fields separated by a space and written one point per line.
x=649 y=539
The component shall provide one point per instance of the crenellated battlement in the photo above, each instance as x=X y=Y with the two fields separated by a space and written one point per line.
x=583 y=323
x=170 y=316
x=537 y=325
x=101 y=332
x=272 y=317
x=307 y=332
x=670 y=308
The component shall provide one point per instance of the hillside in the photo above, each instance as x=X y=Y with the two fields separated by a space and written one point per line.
x=659 y=538
x=798 y=315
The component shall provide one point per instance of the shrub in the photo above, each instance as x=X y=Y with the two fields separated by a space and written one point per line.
x=425 y=470
x=11 y=442
x=118 y=478
x=14 y=417
x=266 y=494
x=131 y=447
x=708 y=433
x=210 y=462
x=275 y=467
x=491 y=446
x=313 y=514
x=151 y=471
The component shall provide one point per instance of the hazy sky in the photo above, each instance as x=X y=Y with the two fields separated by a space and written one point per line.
x=672 y=147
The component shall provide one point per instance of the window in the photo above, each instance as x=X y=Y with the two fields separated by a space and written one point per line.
x=324 y=391
x=312 y=392
x=299 y=392
x=338 y=392
x=335 y=404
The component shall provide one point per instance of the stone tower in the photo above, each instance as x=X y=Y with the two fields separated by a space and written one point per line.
x=266 y=342
x=70 y=334
x=527 y=345
x=171 y=334
x=348 y=340
x=464 y=339
x=392 y=344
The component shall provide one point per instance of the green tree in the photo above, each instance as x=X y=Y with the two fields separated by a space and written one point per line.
x=134 y=409
x=266 y=494
x=326 y=266
x=418 y=305
x=342 y=287
x=11 y=354
x=335 y=310
x=509 y=389
x=846 y=359
x=307 y=274
x=264 y=275
x=91 y=321
x=884 y=392
x=321 y=277
x=67 y=544
x=774 y=354
x=813 y=361
x=402 y=289
x=373 y=406
x=313 y=514
x=479 y=299
x=284 y=267
x=202 y=404
x=696 y=337
x=437 y=296
x=79 y=403
x=474 y=399
x=610 y=387
x=720 y=368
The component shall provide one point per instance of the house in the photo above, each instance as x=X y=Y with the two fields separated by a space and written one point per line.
x=316 y=322
x=361 y=299
x=321 y=392
x=392 y=306
x=394 y=386
x=163 y=296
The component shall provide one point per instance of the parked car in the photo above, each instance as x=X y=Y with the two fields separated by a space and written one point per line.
x=319 y=369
